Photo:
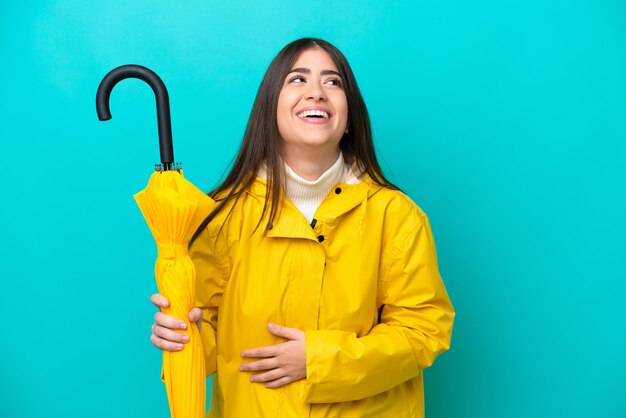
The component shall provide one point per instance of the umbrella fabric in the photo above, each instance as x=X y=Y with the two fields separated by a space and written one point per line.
x=173 y=209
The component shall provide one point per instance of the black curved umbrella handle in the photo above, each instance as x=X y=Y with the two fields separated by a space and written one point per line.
x=162 y=101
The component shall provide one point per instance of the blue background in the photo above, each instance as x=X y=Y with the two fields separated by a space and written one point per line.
x=505 y=121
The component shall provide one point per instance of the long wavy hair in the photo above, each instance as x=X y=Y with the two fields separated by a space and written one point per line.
x=262 y=142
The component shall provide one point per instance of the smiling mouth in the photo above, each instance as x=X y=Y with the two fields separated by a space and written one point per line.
x=314 y=114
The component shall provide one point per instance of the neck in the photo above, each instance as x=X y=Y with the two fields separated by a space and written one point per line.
x=310 y=165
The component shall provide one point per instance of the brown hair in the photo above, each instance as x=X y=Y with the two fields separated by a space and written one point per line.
x=261 y=141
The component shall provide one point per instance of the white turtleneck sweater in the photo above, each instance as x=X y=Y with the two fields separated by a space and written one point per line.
x=307 y=195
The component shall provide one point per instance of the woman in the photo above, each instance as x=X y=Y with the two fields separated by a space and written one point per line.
x=316 y=275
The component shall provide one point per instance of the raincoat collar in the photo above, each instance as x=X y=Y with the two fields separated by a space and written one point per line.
x=341 y=198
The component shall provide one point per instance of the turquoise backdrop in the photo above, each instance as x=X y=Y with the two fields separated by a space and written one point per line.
x=504 y=120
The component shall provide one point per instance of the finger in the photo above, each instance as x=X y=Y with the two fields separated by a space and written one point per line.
x=278 y=382
x=169 y=335
x=269 y=351
x=168 y=321
x=159 y=301
x=289 y=333
x=165 y=345
x=254 y=366
x=195 y=314
x=267 y=376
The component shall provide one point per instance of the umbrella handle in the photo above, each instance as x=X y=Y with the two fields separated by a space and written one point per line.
x=162 y=101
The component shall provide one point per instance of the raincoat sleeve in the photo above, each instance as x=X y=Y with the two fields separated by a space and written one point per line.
x=211 y=278
x=415 y=327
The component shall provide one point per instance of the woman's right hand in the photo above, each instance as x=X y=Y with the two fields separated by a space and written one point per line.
x=164 y=335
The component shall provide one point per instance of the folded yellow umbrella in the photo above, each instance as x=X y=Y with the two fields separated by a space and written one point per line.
x=173 y=209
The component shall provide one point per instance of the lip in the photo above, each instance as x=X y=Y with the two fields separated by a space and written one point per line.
x=315 y=121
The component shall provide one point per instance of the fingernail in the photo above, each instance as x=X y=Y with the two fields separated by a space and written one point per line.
x=185 y=338
x=183 y=325
x=180 y=346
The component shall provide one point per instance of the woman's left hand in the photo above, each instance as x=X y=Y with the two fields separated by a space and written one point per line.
x=280 y=364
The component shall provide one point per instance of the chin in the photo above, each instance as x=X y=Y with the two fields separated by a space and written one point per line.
x=320 y=144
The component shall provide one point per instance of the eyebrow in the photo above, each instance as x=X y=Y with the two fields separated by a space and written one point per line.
x=308 y=71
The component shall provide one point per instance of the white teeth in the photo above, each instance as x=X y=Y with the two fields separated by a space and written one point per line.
x=313 y=113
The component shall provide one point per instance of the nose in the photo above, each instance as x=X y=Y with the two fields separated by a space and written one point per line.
x=315 y=91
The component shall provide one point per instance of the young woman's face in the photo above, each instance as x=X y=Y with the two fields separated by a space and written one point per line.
x=312 y=105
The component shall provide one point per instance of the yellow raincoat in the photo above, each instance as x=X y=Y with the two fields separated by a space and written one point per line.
x=362 y=283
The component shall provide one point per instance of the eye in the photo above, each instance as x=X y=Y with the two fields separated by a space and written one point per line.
x=296 y=79
x=334 y=82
